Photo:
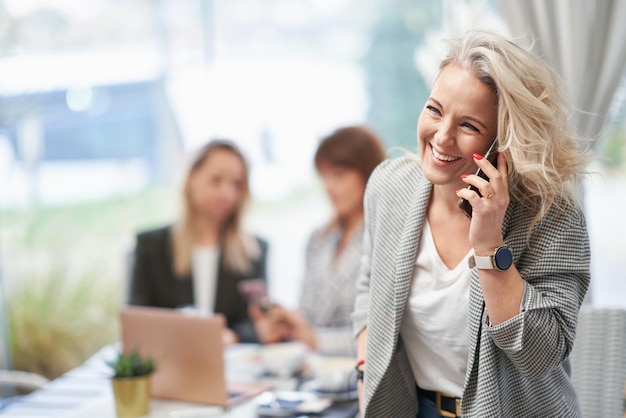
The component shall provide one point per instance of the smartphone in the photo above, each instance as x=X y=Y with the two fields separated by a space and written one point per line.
x=252 y=290
x=492 y=156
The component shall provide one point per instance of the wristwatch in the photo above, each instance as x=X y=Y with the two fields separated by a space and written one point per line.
x=502 y=259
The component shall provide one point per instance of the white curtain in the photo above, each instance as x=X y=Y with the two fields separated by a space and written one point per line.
x=585 y=41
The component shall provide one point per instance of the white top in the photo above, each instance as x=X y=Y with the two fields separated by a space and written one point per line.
x=204 y=264
x=435 y=327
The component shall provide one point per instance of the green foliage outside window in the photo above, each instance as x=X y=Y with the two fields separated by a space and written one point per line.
x=396 y=89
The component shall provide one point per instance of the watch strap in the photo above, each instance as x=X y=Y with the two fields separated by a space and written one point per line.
x=501 y=259
x=484 y=262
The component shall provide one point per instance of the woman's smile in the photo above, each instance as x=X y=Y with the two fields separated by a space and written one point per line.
x=458 y=120
x=442 y=157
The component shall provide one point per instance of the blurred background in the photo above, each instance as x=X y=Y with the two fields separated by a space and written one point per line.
x=101 y=103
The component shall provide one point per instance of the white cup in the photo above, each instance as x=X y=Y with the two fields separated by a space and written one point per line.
x=334 y=374
x=283 y=359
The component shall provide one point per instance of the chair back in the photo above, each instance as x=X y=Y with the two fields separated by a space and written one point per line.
x=598 y=362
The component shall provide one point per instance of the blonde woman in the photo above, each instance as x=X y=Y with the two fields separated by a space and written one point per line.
x=201 y=260
x=476 y=316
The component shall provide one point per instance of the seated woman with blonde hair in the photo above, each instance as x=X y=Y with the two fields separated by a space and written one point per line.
x=204 y=257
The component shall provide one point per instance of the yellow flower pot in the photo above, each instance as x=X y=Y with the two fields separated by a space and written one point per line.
x=132 y=396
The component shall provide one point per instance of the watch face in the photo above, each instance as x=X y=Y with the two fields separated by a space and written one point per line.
x=503 y=258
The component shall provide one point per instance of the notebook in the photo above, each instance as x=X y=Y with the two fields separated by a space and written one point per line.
x=189 y=353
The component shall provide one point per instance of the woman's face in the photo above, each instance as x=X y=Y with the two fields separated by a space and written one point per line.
x=459 y=119
x=345 y=188
x=216 y=188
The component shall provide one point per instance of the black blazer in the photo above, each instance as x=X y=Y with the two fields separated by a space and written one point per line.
x=154 y=283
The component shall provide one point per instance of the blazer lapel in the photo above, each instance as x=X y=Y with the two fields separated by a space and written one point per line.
x=407 y=250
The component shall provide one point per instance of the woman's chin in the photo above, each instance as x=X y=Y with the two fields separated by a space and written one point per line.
x=440 y=177
x=217 y=216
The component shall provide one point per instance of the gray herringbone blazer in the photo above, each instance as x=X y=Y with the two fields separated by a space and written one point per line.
x=514 y=369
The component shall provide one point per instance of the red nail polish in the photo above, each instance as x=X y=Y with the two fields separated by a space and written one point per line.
x=477 y=156
x=464 y=176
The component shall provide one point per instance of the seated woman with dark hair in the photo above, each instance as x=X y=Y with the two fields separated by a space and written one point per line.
x=344 y=160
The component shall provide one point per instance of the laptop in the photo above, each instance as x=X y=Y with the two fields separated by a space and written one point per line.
x=189 y=355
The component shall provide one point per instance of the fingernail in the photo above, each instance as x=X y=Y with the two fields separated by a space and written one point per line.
x=477 y=156
x=457 y=191
x=464 y=176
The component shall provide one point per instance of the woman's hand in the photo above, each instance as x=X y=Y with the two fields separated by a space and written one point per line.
x=301 y=329
x=502 y=290
x=229 y=337
x=487 y=211
x=361 y=346
x=271 y=325
x=278 y=324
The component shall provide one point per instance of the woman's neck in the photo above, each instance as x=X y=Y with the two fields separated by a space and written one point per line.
x=445 y=198
x=348 y=226
x=206 y=232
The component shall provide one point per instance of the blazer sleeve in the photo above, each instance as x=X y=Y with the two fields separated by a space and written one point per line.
x=261 y=268
x=244 y=327
x=140 y=288
x=362 y=298
x=334 y=339
x=555 y=266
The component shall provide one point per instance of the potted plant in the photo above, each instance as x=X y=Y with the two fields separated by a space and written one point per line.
x=131 y=384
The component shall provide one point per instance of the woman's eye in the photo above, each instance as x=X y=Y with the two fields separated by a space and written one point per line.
x=336 y=175
x=433 y=109
x=471 y=127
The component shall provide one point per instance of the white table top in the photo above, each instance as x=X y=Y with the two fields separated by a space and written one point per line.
x=86 y=392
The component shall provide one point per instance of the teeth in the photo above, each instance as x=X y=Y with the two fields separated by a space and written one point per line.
x=443 y=157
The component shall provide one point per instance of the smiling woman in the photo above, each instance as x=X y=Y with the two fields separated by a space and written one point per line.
x=459 y=120
x=476 y=317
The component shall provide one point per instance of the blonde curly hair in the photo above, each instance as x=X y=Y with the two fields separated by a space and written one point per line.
x=545 y=159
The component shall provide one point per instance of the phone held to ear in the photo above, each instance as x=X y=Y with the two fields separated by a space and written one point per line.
x=492 y=156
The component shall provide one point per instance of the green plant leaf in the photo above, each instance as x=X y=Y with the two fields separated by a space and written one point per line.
x=131 y=364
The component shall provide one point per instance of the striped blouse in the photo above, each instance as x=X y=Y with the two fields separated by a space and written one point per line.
x=328 y=291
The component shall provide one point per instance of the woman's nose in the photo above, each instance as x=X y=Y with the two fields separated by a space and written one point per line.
x=444 y=134
x=229 y=192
